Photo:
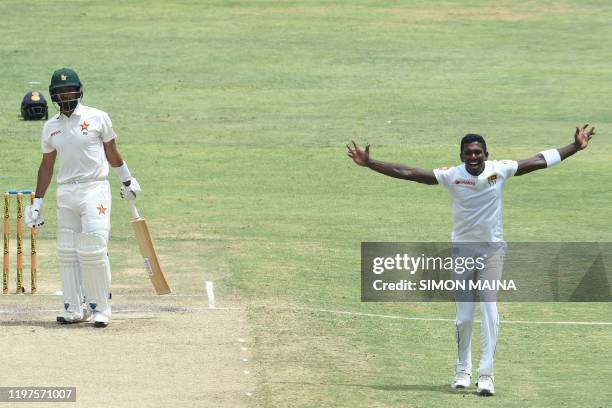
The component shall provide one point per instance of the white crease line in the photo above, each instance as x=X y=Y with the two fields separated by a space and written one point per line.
x=338 y=312
x=121 y=311
x=170 y=295
x=560 y=323
x=435 y=319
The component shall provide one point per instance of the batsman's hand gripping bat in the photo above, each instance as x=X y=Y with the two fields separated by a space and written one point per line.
x=149 y=254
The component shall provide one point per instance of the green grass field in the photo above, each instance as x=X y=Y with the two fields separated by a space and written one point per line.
x=233 y=115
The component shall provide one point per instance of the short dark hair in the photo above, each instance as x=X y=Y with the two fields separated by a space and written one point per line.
x=471 y=138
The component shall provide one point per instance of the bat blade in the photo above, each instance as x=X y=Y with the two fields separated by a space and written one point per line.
x=150 y=257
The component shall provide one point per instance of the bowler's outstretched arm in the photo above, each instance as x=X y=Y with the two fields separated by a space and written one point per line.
x=537 y=162
x=362 y=158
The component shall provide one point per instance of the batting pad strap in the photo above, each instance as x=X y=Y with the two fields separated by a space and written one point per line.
x=66 y=246
x=123 y=172
x=551 y=156
x=91 y=248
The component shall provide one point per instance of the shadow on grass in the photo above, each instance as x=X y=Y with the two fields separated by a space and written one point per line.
x=443 y=388
x=53 y=325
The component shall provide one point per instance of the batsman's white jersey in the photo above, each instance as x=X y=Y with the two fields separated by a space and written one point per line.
x=78 y=141
x=477 y=217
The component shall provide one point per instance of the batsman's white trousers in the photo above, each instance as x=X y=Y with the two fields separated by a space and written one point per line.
x=83 y=208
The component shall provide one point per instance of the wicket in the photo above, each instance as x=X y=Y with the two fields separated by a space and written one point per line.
x=6 y=238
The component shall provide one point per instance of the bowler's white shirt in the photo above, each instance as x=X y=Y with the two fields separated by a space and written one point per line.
x=477 y=200
x=78 y=141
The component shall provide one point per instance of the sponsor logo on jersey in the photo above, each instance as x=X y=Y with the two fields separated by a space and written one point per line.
x=444 y=168
x=465 y=182
x=55 y=132
x=492 y=179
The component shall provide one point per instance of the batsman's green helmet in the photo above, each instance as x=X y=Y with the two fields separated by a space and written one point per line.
x=64 y=77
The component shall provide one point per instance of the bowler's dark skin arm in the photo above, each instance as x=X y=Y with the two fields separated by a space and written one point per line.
x=537 y=162
x=400 y=171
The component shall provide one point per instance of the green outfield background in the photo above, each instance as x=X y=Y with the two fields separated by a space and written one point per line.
x=233 y=115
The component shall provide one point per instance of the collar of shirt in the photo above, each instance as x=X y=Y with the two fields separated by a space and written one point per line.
x=466 y=173
x=77 y=111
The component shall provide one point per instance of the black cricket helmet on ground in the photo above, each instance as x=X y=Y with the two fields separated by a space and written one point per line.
x=34 y=106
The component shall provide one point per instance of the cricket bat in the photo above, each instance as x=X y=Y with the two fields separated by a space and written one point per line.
x=149 y=254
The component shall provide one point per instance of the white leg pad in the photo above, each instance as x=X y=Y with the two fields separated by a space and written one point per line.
x=93 y=260
x=70 y=273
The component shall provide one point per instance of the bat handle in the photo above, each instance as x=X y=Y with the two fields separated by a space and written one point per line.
x=134 y=210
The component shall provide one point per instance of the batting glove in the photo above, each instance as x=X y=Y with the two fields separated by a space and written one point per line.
x=129 y=192
x=33 y=214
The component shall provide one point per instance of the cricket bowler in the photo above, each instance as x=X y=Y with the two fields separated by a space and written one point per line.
x=477 y=217
x=82 y=140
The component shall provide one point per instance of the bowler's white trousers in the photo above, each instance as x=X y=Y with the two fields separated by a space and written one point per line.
x=466 y=308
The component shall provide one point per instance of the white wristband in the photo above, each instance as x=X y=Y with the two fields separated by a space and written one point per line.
x=551 y=156
x=123 y=172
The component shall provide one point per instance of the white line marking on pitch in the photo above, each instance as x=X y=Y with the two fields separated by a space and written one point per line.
x=152 y=295
x=434 y=319
x=338 y=312
x=124 y=311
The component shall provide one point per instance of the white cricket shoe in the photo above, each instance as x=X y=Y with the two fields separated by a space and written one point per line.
x=485 y=386
x=71 y=317
x=100 y=319
x=462 y=380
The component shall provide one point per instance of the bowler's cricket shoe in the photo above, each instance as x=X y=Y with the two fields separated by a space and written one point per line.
x=70 y=317
x=462 y=380
x=100 y=319
x=485 y=386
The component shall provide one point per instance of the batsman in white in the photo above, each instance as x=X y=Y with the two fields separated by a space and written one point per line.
x=82 y=141
x=476 y=190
